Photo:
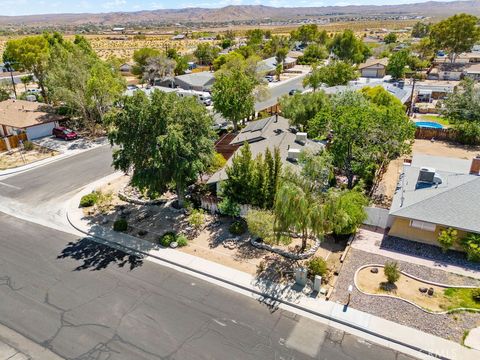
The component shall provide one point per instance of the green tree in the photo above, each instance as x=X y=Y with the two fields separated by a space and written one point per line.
x=255 y=38
x=141 y=57
x=346 y=46
x=390 y=38
x=181 y=61
x=260 y=225
x=301 y=108
x=313 y=79
x=349 y=209
x=159 y=68
x=4 y=93
x=420 y=30
x=334 y=74
x=313 y=54
x=238 y=186
x=464 y=104
x=471 y=245
x=27 y=79
x=31 y=53
x=456 y=34
x=317 y=168
x=397 y=63
x=206 y=53
x=232 y=95
x=163 y=140
x=305 y=34
x=278 y=71
x=281 y=55
x=391 y=271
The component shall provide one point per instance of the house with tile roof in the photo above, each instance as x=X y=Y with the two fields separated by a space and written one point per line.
x=435 y=193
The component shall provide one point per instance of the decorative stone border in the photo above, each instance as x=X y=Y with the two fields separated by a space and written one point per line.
x=287 y=254
x=134 y=200
x=411 y=302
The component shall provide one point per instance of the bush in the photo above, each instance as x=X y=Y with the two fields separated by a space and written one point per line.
x=89 y=199
x=28 y=145
x=317 y=266
x=196 y=219
x=182 y=240
x=167 y=239
x=447 y=238
x=229 y=208
x=476 y=294
x=468 y=133
x=260 y=224
x=471 y=245
x=218 y=162
x=391 y=272
x=120 y=225
x=237 y=228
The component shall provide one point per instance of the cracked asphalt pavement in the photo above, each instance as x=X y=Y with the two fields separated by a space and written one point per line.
x=85 y=301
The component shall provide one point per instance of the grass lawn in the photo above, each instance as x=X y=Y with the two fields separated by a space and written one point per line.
x=460 y=298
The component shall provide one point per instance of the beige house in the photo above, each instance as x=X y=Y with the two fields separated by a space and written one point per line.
x=374 y=68
x=433 y=194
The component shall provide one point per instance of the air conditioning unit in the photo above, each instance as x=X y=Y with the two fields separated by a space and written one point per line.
x=293 y=154
x=301 y=137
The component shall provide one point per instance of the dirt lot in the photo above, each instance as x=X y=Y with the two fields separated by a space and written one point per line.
x=17 y=157
x=438 y=148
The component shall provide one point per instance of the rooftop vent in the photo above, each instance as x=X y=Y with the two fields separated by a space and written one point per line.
x=475 y=167
x=428 y=177
x=293 y=154
x=301 y=138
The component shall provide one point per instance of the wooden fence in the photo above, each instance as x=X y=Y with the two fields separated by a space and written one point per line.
x=13 y=141
x=437 y=134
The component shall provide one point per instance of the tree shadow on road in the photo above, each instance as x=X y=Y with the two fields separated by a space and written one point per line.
x=96 y=256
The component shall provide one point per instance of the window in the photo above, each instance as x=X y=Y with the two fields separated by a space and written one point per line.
x=422 y=225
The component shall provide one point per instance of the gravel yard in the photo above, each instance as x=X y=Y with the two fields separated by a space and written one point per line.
x=451 y=326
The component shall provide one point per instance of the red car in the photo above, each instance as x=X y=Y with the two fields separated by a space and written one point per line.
x=64 y=133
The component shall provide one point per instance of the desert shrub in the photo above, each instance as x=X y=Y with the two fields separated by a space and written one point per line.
x=167 y=239
x=229 y=208
x=260 y=224
x=317 y=266
x=196 y=219
x=89 y=199
x=447 y=238
x=120 y=225
x=476 y=294
x=471 y=245
x=182 y=240
x=237 y=228
x=28 y=145
x=104 y=201
x=218 y=162
x=391 y=272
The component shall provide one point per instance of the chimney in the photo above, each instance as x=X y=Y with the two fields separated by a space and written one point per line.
x=475 y=167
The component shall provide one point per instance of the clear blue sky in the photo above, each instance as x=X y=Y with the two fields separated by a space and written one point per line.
x=26 y=7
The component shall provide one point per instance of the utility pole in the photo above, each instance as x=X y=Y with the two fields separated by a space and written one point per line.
x=412 y=102
x=9 y=66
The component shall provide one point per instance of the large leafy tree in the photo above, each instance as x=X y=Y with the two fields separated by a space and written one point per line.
x=346 y=46
x=206 y=53
x=456 y=34
x=349 y=210
x=335 y=73
x=82 y=82
x=158 y=68
x=464 y=104
x=163 y=140
x=31 y=53
x=397 y=63
x=305 y=34
x=313 y=53
x=301 y=108
x=141 y=57
x=420 y=30
x=233 y=94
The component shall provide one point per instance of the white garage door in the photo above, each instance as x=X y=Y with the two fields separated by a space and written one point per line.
x=371 y=73
x=39 y=131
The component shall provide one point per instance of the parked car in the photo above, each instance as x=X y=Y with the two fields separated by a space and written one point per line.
x=132 y=87
x=269 y=78
x=64 y=133
x=293 y=92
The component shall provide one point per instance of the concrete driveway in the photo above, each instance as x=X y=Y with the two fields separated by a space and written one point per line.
x=72 y=146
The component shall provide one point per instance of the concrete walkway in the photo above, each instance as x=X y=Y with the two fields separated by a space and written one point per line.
x=370 y=241
x=372 y=328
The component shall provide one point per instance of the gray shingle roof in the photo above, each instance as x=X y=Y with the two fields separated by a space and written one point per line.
x=198 y=79
x=455 y=202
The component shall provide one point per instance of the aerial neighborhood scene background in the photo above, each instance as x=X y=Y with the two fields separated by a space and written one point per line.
x=240 y=181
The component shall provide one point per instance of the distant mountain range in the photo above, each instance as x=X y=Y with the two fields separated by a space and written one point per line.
x=243 y=13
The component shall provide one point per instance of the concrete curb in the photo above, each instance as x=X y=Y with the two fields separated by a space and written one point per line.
x=411 y=302
x=438 y=354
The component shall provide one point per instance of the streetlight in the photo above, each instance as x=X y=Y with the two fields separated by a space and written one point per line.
x=8 y=64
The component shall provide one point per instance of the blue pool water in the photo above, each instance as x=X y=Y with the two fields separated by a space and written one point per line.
x=428 y=124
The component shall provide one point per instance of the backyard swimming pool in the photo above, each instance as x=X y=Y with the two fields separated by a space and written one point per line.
x=428 y=124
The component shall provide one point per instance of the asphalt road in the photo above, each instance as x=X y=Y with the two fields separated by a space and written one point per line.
x=83 y=300
x=277 y=91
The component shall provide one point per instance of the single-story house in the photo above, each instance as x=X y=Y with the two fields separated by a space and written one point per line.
x=435 y=193
x=268 y=66
x=33 y=118
x=199 y=81
x=374 y=68
x=472 y=71
x=271 y=132
x=437 y=89
x=446 y=71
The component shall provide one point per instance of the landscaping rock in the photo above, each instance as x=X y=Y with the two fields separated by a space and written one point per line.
x=174 y=245
x=423 y=290
x=430 y=291
x=104 y=221
x=374 y=270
